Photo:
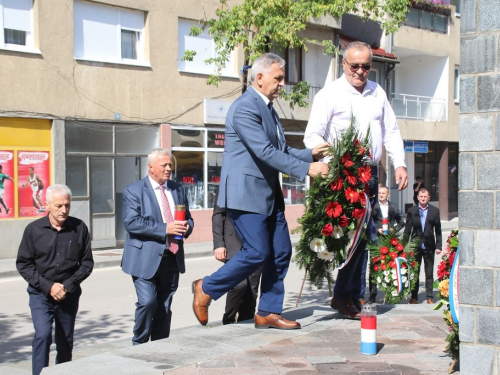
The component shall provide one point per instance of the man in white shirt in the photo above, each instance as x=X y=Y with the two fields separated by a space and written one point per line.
x=354 y=96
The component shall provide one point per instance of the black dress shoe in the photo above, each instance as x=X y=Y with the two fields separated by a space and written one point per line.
x=371 y=299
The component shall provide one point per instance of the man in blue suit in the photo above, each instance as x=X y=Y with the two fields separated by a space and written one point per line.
x=152 y=256
x=254 y=154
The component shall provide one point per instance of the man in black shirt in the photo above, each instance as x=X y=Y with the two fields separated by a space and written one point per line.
x=54 y=258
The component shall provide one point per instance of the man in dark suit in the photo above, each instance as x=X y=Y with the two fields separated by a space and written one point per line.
x=254 y=154
x=152 y=256
x=384 y=213
x=242 y=299
x=425 y=222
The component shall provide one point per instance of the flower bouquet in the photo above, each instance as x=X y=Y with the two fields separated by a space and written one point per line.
x=336 y=208
x=392 y=265
x=442 y=284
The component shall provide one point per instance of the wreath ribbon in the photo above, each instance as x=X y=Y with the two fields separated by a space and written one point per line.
x=360 y=230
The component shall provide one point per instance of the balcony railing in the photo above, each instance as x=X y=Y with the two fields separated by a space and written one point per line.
x=313 y=90
x=415 y=107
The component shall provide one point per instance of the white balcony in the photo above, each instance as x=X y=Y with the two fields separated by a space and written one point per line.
x=420 y=108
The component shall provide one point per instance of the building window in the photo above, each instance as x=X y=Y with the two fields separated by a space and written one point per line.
x=108 y=34
x=456 y=93
x=16 y=20
x=204 y=46
x=423 y=19
x=294 y=62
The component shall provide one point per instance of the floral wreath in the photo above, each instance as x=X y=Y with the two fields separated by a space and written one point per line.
x=392 y=265
x=442 y=284
x=335 y=207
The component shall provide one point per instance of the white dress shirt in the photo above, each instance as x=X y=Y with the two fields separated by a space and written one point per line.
x=157 y=190
x=384 y=209
x=331 y=113
x=266 y=100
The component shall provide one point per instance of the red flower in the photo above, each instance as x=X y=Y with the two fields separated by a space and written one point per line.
x=411 y=253
x=343 y=221
x=382 y=257
x=375 y=259
x=351 y=179
x=370 y=155
x=384 y=250
x=362 y=199
x=375 y=268
x=361 y=150
x=383 y=266
x=413 y=264
x=357 y=213
x=392 y=264
x=352 y=195
x=356 y=142
x=394 y=241
x=333 y=209
x=327 y=230
x=336 y=184
x=347 y=161
x=451 y=259
x=399 y=247
x=393 y=254
x=364 y=174
x=403 y=255
x=403 y=265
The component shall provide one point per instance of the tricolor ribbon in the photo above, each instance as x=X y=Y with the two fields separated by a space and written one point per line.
x=399 y=276
x=453 y=290
x=360 y=230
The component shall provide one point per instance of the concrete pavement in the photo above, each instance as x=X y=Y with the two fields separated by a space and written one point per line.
x=410 y=341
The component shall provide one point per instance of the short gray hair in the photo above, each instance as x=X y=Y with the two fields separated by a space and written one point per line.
x=57 y=189
x=359 y=46
x=263 y=64
x=158 y=151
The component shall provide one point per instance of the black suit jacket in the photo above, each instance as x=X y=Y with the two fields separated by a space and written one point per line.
x=223 y=232
x=431 y=235
x=395 y=216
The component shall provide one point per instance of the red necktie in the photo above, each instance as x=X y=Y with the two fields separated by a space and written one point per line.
x=167 y=213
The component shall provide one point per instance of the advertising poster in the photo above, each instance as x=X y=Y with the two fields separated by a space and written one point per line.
x=7 y=185
x=33 y=171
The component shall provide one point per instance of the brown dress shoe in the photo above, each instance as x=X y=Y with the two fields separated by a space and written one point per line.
x=201 y=301
x=347 y=309
x=430 y=301
x=413 y=301
x=274 y=321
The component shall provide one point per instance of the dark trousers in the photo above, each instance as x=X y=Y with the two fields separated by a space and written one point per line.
x=44 y=311
x=154 y=299
x=242 y=300
x=352 y=277
x=266 y=242
x=428 y=258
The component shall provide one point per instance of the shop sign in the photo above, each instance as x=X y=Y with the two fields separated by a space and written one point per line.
x=215 y=111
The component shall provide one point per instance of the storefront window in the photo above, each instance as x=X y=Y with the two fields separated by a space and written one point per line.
x=294 y=189
x=427 y=167
x=187 y=137
x=189 y=173
x=76 y=176
x=214 y=161
x=135 y=139
x=101 y=180
x=87 y=137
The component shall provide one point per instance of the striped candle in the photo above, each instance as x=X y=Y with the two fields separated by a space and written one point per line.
x=369 y=330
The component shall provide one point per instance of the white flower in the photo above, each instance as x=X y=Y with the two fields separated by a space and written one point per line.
x=407 y=284
x=394 y=276
x=338 y=232
x=387 y=280
x=394 y=293
x=404 y=278
x=386 y=273
x=317 y=245
x=403 y=271
x=395 y=282
x=411 y=276
x=379 y=280
x=325 y=255
x=384 y=285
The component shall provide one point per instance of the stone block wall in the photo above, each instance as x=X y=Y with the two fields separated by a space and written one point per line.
x=479 y=187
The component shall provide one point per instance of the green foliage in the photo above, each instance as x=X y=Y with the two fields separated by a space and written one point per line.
x=298 y=96
x=256 y=25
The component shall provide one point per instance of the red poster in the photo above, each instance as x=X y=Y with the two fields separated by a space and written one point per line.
x=7 y=185
x=33 y=171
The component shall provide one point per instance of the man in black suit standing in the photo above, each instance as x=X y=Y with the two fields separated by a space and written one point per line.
x=242 y=299
x=425 y=222
x=386 y=217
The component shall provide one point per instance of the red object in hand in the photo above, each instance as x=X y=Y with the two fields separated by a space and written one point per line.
x=180 y=215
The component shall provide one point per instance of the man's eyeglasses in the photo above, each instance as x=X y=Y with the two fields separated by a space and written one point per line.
x=355 y=67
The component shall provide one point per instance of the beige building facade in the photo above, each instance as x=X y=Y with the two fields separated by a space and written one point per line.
x=104 y=82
